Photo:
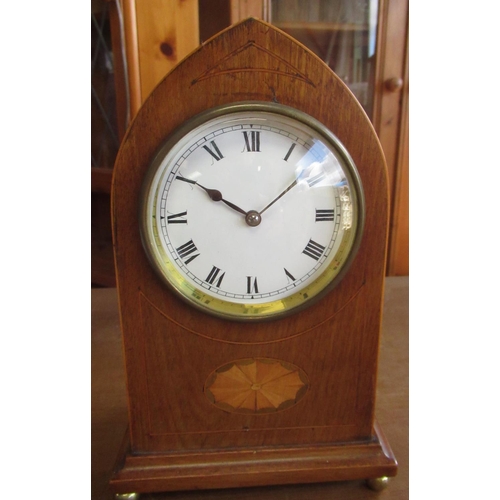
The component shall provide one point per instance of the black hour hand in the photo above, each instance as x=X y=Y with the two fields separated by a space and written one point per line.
x=214 y=194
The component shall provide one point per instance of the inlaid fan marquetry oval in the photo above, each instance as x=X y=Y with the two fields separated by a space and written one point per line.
x=256 y=385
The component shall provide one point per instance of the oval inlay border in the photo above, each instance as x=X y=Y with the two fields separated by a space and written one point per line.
x=256 y=386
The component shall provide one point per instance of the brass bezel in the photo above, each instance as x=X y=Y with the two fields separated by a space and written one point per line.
x=196 y=297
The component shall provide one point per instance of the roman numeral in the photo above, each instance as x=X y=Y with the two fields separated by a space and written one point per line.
x=289 y=152
x=317 y=178
x=324 y=215
x=186 y=250
x=212 y=276
x=252 y=141
x=289 y=274
x=213 y=150
x=177 y=218
x=313 y=250
x=252 y=286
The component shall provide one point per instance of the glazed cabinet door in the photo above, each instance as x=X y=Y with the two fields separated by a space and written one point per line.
x=365 y=43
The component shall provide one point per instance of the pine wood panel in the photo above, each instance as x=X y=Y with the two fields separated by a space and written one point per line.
x=392 y=49
x=390 y=119
x=399 y=242
x=132 y=54
x=167 y=30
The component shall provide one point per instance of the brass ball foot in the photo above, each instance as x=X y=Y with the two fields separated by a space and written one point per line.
x=378 y=483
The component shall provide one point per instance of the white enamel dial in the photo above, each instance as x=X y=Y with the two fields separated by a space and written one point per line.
x=251 y=211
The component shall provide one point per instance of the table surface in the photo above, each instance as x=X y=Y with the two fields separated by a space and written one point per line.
x=109 y=407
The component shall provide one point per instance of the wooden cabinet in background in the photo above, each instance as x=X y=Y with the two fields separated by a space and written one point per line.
x=365 y=43
x=146 y=40
x=391 y=122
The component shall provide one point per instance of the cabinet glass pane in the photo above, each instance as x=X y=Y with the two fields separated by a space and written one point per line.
x=341 y=32
x=104 y=138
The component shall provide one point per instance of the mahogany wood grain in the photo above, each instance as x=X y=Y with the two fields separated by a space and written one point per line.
x=109 y=408
x=170 y=349
x=255 y=467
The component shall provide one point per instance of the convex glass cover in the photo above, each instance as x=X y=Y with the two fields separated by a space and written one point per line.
x=251 y=211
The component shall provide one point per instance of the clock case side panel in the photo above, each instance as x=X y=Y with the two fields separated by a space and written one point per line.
x=250 y=61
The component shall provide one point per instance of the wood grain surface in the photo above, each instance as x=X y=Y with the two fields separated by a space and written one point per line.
x=335 y=341
x=109 y=407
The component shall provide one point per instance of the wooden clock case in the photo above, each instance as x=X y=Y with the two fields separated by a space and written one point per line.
x=178 y=439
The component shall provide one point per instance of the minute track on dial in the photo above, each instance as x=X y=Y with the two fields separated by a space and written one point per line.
x=281 y=250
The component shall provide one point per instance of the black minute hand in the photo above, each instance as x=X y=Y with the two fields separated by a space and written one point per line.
x=214 y=194
x=280 y=195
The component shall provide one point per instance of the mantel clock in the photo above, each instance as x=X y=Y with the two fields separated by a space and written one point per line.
x=250 y=217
